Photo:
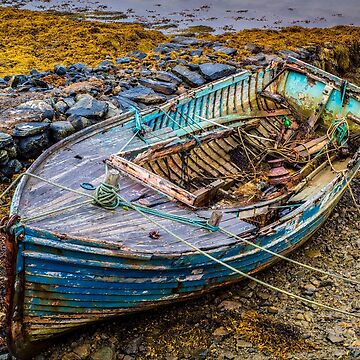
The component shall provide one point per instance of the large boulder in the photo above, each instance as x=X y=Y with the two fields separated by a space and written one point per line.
x=88 y=107
x=191 y=77
x=212 y=71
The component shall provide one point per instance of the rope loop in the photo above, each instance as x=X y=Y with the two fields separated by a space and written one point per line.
x=106 y=196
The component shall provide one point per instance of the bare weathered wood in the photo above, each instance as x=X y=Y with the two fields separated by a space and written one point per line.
x=272 y=96
x=205 y=194
x=353 y=118
x=151 y=179
x=112 y=177
x=215 y=218
x=311 y=147
x=313 y=119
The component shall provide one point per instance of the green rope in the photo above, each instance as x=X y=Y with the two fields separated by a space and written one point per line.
x=107 y=197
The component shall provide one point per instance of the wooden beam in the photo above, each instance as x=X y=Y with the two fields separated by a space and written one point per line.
x=152 y=180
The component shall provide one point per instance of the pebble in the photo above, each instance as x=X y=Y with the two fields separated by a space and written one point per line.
x=104 y=353
x=334 y=338
x=83 y=351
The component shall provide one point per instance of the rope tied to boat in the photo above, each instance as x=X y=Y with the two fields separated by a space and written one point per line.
x=107 y=197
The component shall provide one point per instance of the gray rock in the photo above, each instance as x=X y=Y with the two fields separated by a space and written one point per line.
x=104 y=353
x=12 y=151
x=255 y=49
x=61 y=106
x=145 y=72
x=259 y=59
x=5 y=140
x=143 y=94
x=133 y=346
x=123 y=103
x=35 y=110
x=123 y=60
x=83 y=351
x=82 y=68
x=212 y=71
x=187 y=40
x=79 y=122
x=167 y=77
x=69 y=101
x=89 y=107
x=3 y=83
x=163 y=87
x=61 y=129
x=30 y=128
x=60 y=70
x=334 y=338
x=4 y=157
x=196 y=52
x=112 y=111
x=18 y=80
x=287 y=53
x=191 y=77
x=31 y=146
x=224 y=50
x=138 y=54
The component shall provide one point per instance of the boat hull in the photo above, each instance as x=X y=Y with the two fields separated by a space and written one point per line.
x=64 y=283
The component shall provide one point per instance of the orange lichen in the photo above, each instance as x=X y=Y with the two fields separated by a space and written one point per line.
x=40 y=40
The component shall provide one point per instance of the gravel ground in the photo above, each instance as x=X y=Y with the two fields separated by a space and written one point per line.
x=246 y=321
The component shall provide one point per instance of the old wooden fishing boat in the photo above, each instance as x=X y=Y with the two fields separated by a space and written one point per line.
x=257 y=158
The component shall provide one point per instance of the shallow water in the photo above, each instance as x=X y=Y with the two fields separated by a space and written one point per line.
x=220 y=15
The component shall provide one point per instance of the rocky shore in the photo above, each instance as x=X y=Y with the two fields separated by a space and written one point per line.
x=245 y=321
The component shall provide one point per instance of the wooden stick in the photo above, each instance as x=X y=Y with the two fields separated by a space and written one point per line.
x=215 y=218
x=112 y=177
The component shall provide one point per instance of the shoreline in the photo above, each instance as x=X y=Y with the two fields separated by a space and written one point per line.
x=40 y=40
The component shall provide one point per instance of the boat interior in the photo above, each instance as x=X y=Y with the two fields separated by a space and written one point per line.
x=235 y=161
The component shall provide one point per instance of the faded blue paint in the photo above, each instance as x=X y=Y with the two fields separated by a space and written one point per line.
x=76 y=276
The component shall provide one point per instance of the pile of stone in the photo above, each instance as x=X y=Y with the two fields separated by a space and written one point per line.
x=71 y=98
